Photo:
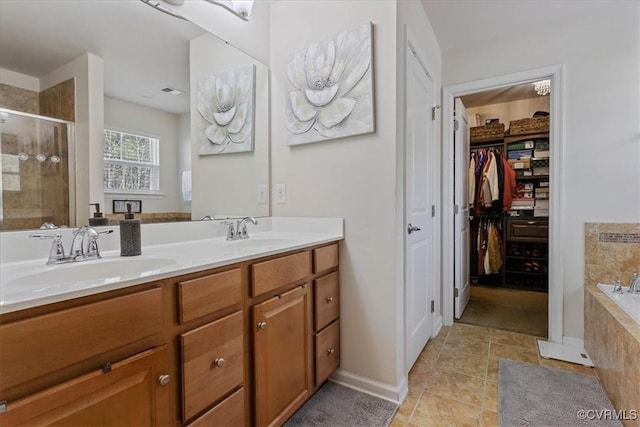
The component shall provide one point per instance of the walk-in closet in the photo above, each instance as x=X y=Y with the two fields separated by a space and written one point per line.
x=508 y=193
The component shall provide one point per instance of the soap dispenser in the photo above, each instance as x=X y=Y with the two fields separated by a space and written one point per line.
x=98 y=217
x=130 y=237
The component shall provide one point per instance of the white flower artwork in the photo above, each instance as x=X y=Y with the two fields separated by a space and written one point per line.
x=226 y=107
x=331 y=88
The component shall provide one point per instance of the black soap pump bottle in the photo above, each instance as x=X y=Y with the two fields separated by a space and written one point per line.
x=98 y=217
x=130 y=237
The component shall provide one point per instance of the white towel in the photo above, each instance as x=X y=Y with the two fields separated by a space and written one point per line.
x=186 y=186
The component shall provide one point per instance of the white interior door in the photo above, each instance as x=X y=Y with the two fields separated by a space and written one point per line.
x=462 y=291
x=418 y=219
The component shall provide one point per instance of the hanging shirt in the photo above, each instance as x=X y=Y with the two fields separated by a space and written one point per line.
x=472 y=180
x=509 y=188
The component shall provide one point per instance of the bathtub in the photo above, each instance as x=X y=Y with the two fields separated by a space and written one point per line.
x=630 y=303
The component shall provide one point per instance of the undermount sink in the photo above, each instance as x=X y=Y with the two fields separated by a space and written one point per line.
x=102 y=270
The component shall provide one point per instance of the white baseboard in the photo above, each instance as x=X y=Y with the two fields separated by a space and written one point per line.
x=437 y=327
x=374 y=388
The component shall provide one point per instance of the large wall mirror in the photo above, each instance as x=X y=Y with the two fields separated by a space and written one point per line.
x=141 y=130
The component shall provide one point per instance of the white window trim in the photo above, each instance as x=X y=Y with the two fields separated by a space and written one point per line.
x=152 y=194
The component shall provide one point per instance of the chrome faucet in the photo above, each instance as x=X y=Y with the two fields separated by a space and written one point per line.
x=617 y=287
x=84 y=245
x=635 y=284
x=206 y=218
x=241 y=227
x=240 y=230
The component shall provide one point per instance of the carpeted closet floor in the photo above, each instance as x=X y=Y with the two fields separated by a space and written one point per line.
x=514 y=310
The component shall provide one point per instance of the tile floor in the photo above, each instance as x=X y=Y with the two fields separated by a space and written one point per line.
x=455 y=380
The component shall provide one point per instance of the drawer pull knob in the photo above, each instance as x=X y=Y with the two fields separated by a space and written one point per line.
x=262 y=325
x=3 y=406
x=531 y=222
x=164 y=379
x=329 y=300
x=331 y=351
x=219 y=362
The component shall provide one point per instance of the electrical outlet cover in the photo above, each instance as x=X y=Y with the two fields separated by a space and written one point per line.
x=281 y=193
x=263 y=195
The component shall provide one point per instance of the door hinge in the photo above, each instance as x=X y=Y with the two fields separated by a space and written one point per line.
x=455 y=209
x=433 y=306
x=433 y=112
x=455 y=125
x=455 y=292
x=433 y=211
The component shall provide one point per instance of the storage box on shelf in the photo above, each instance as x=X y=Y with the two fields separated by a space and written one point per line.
x=486 y=133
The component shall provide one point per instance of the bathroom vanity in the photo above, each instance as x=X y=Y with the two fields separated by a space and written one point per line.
x=246 y=342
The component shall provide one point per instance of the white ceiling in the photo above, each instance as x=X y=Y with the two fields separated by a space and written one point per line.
x=465 y=23
x=143 y=49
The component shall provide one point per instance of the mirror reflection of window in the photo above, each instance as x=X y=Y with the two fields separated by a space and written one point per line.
x=131 y=163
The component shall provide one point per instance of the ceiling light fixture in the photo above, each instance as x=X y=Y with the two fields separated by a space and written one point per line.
x=241 y=8
x=156 y=5
x=542 y=87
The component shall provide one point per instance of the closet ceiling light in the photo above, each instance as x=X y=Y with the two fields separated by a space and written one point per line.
x=543 y=87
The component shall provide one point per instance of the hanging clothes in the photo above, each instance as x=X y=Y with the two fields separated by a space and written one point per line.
x=471 y=178
x=488 y=245
x=509 y=186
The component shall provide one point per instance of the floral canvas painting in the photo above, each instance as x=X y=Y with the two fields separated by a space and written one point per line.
x=330 y=91
x=226 y=106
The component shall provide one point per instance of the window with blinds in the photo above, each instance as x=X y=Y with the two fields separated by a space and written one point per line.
x=131 y=163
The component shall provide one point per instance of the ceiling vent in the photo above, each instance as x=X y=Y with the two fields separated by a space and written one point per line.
x=172 y=91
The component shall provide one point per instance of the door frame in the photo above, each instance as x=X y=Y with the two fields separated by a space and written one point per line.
x=556 y=255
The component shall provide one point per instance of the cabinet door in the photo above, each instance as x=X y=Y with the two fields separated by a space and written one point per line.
x=130 y=394
x=282 y=359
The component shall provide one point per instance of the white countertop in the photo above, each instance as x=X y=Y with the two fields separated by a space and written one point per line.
x=29 y=283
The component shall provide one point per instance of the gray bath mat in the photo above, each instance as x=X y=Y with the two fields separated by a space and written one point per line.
x=338 y=406
x=531 y=395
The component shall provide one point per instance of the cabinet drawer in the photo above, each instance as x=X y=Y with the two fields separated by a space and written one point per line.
x=269 y=275
x=212 y=362
x=327 y=300
x=208 y=294
x=229 y=412
x=129 y=395
x=77 y=334
x=527 y=230
x=325 y=258
x=327 y=351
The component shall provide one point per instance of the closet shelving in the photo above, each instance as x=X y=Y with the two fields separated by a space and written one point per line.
x=525 y=231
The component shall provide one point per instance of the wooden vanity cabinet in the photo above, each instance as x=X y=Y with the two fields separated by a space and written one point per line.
x=244 y=344
x=282 y=355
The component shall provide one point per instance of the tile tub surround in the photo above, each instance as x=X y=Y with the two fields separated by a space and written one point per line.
x=612 y=339
x=612 y=251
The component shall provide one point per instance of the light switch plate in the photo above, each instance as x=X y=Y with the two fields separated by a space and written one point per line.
x=281 y=193
x=263 y=194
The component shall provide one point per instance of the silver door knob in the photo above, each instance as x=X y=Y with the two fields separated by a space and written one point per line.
x=411 y=228
x=262 y=325
x=164 y=379
x=219 y=362
x=329 y=300
x=331 y=351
